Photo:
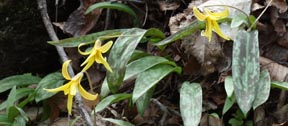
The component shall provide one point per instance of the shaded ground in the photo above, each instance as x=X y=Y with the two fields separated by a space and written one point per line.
x=23 y=37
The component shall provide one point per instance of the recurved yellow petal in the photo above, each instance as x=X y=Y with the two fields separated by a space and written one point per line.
x=85 y=94
x=61 y=88
x=69 y=104
x=65 y=70
x=217 y=15
x=218 y=30
x=208 y=30
x=99 y=59
x=97 y=44
x=198 y=14
x=83 y=53
x=106 y=47
x=88 y=65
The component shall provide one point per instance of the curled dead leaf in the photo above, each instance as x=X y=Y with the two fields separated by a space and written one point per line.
x=277 y=72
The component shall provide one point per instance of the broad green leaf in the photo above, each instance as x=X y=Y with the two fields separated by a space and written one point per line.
x=12 y=112
x=229 y=86
x=20 y=93
x=239 y=20
x=50 y=81
x=104 y=88
x=19 y=121
x=154 y=35
x=280 y=85
x=118 y=122
x=193 y=27
x=18 y=80
x=17 y=115
x=245 y=68
x=90 y=38
x=11 y=98
x=120 y=55
x=228 y=103
x=4 y=120
x=114 y=5
x=142 y=64
x=191 y=103
x=137 y=54
x=143 y=102
x=235 y=122
x=111 y=99
x=263 y=89
x=147 y=79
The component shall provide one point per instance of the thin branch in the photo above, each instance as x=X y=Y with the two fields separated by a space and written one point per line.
x=42 y=5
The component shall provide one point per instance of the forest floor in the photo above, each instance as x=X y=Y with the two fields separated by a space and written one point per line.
x=24 y=49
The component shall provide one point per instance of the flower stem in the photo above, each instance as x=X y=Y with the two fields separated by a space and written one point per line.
x=260 y=15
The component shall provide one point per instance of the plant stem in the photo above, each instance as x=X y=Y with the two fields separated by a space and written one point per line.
x=249 y=29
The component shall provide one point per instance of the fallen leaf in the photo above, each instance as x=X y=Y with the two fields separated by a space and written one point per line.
x=279 y=4
x=78 y=23
x=277 y=72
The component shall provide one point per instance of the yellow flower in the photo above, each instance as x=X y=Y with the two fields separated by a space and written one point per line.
x=95 y=54
x=211 y=21
x=72 y=87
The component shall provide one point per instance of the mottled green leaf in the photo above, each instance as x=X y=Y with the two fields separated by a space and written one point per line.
x=111 y=99
x=280 y=85
x=245 y=68
x=118 y=122
x=4 y=120
x=18 y=80
x=239 y=20
x=11 y=98
x=228 y=103
x=142 y=64
x=193 y=27
x=137 y=54
x=263 y=89
x=120 y=55
x=143 y=102
x=50 y=81
x=229 y=86
x=20 y=93
x=191 y=103
x=147 y=79
x=114 y=5
x=90 y=38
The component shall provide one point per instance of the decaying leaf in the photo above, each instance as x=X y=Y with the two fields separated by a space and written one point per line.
x=209 y=55
x=279 y=4
x=168 y=5
x=78 y=23
x=277 y=72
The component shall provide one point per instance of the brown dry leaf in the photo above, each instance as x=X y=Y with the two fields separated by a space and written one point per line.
x=283 y=41
x=279 y=25
x=209 y=54
x=214 y=121
x=277 y=72
x=168 y=5
x=78 y=23
x=281 y=114
x=279 y=4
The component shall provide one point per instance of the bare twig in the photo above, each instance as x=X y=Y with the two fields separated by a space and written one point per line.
x=42 y=5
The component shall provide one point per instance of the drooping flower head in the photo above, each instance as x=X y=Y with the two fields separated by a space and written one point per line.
x=211 y=21
x=72 y=87
x=95 y=55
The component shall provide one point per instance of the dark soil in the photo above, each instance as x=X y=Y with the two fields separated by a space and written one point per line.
x=23 y=40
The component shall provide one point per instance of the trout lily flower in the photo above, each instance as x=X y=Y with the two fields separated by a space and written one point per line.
x=95 y=54
x=211 y=21
x=72 y=87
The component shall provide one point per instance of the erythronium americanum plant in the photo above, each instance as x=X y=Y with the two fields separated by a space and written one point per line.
x=95 y=54
x=72 y=87
x=211 y=21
